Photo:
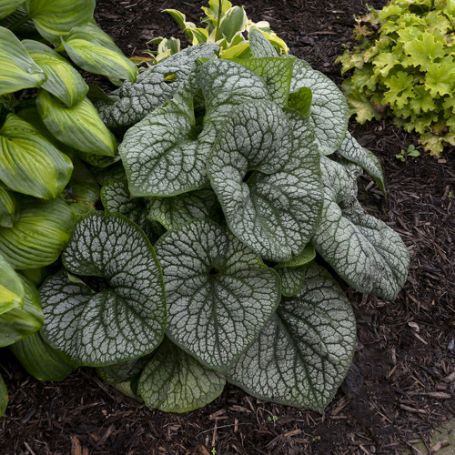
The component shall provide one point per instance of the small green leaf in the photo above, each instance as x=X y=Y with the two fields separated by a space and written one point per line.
x=56 y=18
x=94 y=51
x=175 y=382
x=126 y=318
x=306 y=256
x=8 y=7
x=219 y=294
x=3 y=396
x=39 y=234
x=304 y=352
x=300 y=102
x=329 y=112
x=7 y=207
x=352 y=151
x=260 y=46
x=79 y=127
x=233 y=22
x=63 y=81
x=30 y=164
x=275 y=211
x=18 y=70
x=42 y=361
x=175 y=212
x=11 y=288
x=24 y=320
x=132 y=102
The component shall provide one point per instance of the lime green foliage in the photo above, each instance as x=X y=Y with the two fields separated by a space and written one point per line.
x=404 y=65
x=228 y=27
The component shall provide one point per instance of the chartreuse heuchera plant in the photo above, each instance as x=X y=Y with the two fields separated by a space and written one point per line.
x=217 y=245
x=404 y=66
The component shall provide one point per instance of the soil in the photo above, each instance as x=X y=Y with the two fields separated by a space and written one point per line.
x=402 y=382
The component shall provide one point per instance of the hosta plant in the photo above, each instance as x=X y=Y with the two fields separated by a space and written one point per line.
x=223 y=24
x=227 y=237
x=403 y=66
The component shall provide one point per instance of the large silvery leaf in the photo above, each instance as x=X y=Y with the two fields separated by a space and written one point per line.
x=9 y=6
x=133 y=101
x=166 y=153
x=42 y=361
x=55 y=18
x=219 y=294
x=29 y=162
x=174 y=212
x=329 y=111
x=352 y=151
x=275 y=209
x=22 y=321
x=363 y=250
x=259 y=45
x=303 y=354
x=79 y=126
x=11 y=288
x=7 y=207
x=3 y=396
x=18 y=70
x=62 y=80
x=123 y=320
x=173 y=381
x=94 y=51
x=39 y=234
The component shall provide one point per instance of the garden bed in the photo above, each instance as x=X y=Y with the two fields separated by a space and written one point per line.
x=402 y=382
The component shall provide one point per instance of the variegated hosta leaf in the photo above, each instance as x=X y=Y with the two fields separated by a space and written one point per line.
x=94 y=51
x=166 y=153
x=259 y=45
x=62 y=80
x=55 y=18
x=133 y=101
x=123 y=321
x=302 y=355
x=8 y=7
x=24 y=320
x=173 y=381
x=42 y=361
x=219 y=294
x=275 y=211
x=7 y=207
x=39 y=234
x=11 y=288
x=363 y=250
x=277 y=74
x=329 y=111
x=3 y=396
x=17 y=69
x=29 y=163
x=174 y=212
x=352 y=151
x=79 y=126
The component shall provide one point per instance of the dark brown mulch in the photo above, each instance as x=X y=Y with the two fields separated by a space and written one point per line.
x=403 y=379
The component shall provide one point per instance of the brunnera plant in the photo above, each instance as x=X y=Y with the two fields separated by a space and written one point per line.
x=214 y=259
x=404 y=66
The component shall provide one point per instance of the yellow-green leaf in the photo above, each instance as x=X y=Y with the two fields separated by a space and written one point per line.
x=29 y=163
x=9 y=6
x=17 y=68
x=7 y=207
x=39 y=234
x=55 y=18
x=94 y=51
x=11 y=288
x=24 y=321
x=79 y=127
x=63 y=81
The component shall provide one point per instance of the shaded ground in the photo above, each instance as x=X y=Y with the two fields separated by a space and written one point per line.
x=403 y=379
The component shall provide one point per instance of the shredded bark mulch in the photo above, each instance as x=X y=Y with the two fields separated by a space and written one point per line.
x=402 y=382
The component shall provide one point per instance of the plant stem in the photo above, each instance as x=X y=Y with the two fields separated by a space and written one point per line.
x=218 y=22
